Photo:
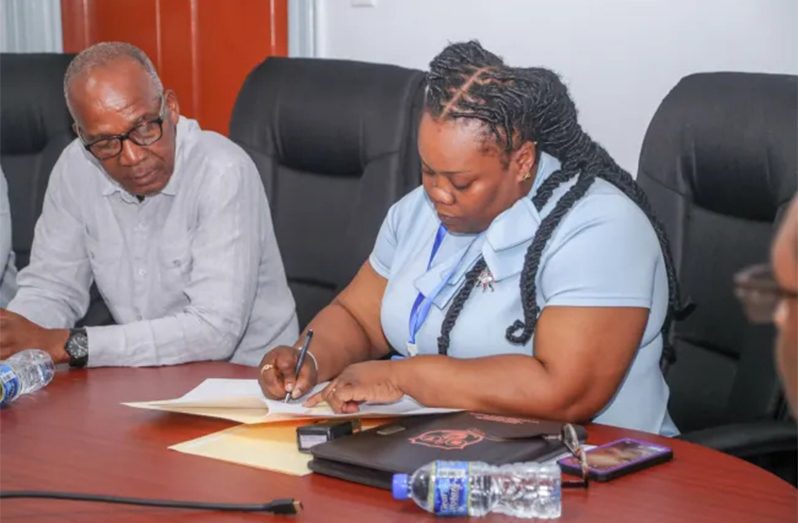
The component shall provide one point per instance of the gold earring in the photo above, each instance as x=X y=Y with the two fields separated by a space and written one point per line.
x=527 y=176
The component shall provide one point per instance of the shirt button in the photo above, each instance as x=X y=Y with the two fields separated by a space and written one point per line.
x=142 y=272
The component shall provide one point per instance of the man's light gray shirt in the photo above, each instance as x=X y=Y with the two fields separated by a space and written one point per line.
x=8 y=271
x=192 y=273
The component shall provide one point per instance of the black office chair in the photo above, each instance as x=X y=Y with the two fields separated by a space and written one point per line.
x=719 y=165
x=335 y=144
x=35 y=127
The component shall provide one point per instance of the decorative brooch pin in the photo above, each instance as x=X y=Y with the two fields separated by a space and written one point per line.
x=485 y=280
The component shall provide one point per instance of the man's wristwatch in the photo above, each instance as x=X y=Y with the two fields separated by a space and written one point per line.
x=77 y=346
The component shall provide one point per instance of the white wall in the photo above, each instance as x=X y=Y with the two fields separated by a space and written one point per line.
x=619 y=57
x=30 y=26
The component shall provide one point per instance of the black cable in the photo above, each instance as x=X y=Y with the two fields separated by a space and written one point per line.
x=277 y=506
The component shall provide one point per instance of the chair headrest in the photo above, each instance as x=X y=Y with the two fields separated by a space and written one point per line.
x=325 y=116
x=32 y=101
x=728 y=142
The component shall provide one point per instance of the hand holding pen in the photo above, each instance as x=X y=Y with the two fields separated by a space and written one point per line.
x=286 y=373
x=302 y=353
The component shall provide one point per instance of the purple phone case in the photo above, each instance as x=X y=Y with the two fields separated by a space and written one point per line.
x=658 y=454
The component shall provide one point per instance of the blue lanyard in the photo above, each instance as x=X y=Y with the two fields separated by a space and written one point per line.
x=420 y=310
x=422 y=305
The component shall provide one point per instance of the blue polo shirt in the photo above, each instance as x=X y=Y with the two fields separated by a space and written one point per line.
x=604 y=253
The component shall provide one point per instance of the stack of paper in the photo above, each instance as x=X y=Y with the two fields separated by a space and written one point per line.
x=272 y=446
x=242 y=401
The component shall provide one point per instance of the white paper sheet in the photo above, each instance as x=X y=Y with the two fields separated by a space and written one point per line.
x=242 y=400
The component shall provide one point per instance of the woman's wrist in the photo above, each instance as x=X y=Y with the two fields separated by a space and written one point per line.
x=402 y=371
x=310 y=355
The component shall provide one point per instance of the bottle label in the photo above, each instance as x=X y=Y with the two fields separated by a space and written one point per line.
x=9 y=384
x=450 y=492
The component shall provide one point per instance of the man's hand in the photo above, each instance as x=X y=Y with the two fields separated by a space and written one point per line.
x=18 y=333
x=369 y=381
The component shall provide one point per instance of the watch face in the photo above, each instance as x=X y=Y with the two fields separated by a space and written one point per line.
x=77 y=346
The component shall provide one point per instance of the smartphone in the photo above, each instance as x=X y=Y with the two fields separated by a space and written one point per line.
x=617 y=458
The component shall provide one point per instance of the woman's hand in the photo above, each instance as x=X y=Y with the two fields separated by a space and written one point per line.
x=346 y=331
x=369 y=381
x=277 y=378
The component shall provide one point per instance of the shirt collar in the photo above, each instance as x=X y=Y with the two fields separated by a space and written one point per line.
x=503 y=244
x=185 y=127
x=508 y=236
x=519 y=223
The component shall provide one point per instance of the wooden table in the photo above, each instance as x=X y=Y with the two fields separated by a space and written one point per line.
x=74 y=435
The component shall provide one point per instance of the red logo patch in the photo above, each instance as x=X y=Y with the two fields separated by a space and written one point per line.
x=449 y=439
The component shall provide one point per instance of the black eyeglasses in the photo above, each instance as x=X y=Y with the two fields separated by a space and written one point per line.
x=570 y=439
x=759 y=292
x=144 y=134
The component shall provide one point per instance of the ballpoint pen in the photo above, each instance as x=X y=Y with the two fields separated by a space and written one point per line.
x=302 y=353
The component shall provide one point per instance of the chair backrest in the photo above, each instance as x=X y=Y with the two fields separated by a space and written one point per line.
x=719 y=165
x=335 y=144
x=34 y=129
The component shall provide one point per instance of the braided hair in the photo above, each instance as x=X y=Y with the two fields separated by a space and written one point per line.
x=519 y=105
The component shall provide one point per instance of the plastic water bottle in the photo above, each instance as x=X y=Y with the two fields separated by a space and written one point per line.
x=25 y=372
x=474 y=488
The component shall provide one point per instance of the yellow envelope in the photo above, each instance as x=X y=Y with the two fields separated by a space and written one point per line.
x=270 y=446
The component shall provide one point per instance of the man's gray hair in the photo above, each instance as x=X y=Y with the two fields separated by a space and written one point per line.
x=102 y=54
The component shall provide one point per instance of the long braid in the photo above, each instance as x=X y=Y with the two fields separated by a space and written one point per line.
x=548 y=186
x=676 y=310
x=520 y=105
x=457 y=304
x=622 y=180
x=532 y=260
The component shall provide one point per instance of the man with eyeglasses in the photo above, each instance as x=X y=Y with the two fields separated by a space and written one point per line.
x=170 y=221
x=770 y=293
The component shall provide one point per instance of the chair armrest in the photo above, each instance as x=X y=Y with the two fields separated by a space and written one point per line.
x=746 y=440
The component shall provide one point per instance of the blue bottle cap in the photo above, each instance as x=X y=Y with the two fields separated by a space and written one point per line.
x=399 y=487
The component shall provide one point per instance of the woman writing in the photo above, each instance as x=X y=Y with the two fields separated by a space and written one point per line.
x=524 y=277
